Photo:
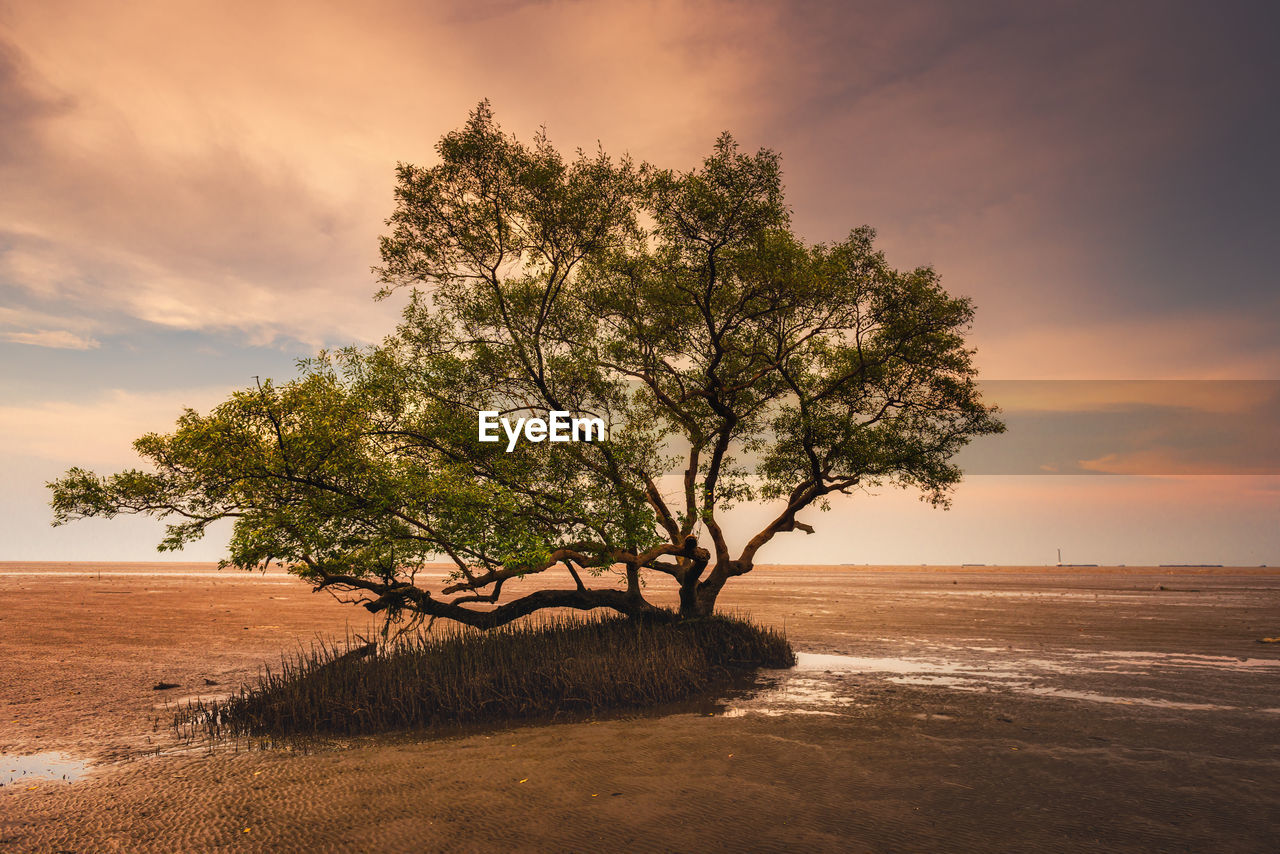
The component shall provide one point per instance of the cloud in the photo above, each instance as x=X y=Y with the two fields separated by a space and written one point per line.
x=24 y=102
x=1218 y=343
x=1232 y=398
x=35 y=328
x=98 y=431
x=58 y=339
x=222 y=168
x=229 y=166
x=28 y=318
x=1144 y=427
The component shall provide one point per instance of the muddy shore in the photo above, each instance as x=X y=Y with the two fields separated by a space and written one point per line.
x=956 y=709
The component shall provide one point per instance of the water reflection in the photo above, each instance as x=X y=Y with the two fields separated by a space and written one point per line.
x=59 y=767
x=827 y=684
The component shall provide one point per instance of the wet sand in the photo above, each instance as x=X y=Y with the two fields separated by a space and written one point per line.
x=934 y=709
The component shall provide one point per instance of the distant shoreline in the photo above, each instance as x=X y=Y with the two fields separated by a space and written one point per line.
x=20 y=567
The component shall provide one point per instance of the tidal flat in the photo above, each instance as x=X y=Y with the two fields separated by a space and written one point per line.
x=932 y=709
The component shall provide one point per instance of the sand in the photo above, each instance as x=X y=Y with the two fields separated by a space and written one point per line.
x=935 y=709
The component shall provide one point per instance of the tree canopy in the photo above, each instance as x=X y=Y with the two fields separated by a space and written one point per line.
x=730 y=360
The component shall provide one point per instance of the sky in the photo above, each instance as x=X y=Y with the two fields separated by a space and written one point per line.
x=192 y=194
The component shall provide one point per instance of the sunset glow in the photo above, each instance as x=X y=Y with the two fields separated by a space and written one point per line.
x=193 y=195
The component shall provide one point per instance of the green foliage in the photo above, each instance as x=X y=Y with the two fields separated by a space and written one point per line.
x=726 y=355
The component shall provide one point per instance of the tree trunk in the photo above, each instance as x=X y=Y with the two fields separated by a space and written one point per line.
x=689 y=600
x=708 y=591
x=698 y=599
x=689 y=606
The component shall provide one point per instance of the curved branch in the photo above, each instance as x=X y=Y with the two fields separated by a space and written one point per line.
x=395 y=597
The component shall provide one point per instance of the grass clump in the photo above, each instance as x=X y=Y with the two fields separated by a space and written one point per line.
x=461 y=675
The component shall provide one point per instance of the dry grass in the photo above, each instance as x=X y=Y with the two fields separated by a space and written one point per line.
x=461 y=676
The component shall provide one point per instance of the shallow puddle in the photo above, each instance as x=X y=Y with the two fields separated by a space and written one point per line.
x=16 y=769
x=811 y=661
x=832 y=684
